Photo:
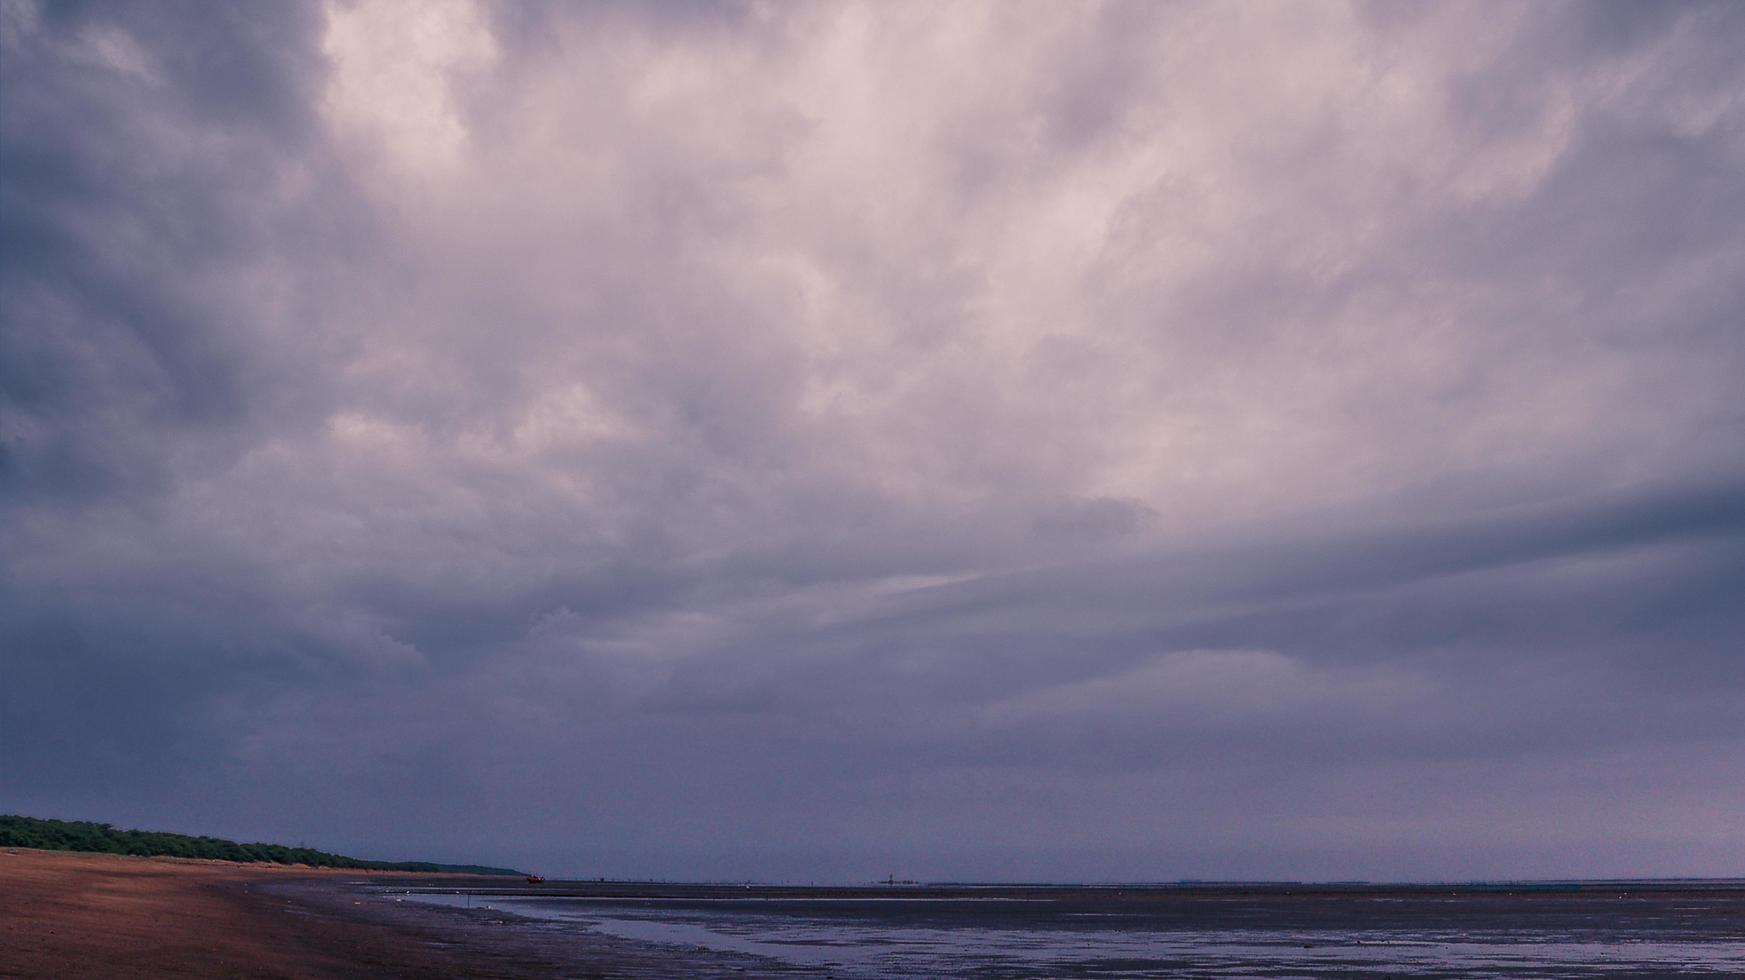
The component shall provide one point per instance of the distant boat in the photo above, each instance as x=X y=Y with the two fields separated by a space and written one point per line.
x=536 y=879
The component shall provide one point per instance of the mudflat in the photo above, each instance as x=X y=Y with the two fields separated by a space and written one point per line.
x=102 y=915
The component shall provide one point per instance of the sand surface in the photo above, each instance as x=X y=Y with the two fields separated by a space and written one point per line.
x=65 y=915
x=101 y=915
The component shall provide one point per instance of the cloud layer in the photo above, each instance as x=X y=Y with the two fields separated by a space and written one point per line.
x=1125 y=441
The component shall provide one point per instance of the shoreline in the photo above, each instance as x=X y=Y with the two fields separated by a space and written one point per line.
x=67 y=914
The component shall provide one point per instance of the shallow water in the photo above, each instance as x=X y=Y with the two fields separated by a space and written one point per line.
x=1629 y=931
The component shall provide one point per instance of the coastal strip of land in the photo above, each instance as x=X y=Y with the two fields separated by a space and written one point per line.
x=103 y=915
x=65 y=914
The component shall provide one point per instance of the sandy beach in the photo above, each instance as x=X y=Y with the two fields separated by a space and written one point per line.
x=101 y=915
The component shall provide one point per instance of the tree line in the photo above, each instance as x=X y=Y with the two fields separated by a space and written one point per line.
x=101 y=838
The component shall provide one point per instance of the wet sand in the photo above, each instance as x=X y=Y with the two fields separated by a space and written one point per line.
x=1566 y=931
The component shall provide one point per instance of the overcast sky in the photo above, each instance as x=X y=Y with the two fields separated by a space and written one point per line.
x=816 y=441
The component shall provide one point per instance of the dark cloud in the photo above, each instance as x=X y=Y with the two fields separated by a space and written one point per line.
x=988 y=441
x=153 y=155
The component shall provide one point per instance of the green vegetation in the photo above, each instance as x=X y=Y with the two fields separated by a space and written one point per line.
x=80 y=835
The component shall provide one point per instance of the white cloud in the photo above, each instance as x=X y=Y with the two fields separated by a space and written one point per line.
x=394 y=66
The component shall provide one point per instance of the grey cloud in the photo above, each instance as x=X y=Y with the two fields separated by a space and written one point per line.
x=152 y=154
x=1014 y=441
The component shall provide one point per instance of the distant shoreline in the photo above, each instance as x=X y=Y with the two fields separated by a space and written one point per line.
x=90 y=837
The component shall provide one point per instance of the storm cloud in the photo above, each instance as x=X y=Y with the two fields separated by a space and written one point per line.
x=1018 y=440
